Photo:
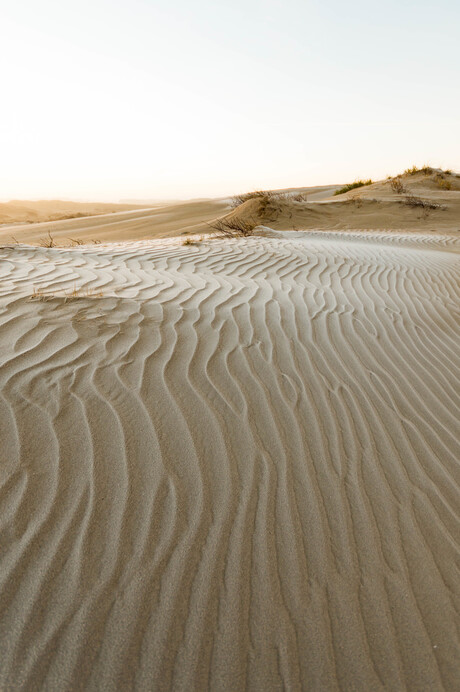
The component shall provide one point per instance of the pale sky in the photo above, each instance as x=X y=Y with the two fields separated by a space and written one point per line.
x=110 y=99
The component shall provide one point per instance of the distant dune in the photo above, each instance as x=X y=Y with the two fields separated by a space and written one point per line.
x=426 y=202
x=23 y=211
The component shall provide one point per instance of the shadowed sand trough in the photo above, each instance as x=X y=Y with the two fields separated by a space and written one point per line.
x=233 y=464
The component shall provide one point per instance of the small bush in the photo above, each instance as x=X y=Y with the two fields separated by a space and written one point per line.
x=48 y=241
x=353 y=186
x=412 y=201
x=299 y=197
x=233 y=228
x=397 y=185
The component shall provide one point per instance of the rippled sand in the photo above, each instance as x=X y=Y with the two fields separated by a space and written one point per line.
x=231 y=465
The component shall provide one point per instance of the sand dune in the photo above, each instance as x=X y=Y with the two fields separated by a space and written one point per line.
x=375 y=206
x=168 y=219
x=231 y=465
x=40 y=211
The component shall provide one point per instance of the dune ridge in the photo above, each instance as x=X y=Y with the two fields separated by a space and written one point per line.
x=237 y=468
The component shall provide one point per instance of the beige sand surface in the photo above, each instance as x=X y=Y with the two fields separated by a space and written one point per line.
x=231 y=465
x=374 y=207
x=39 y=211
x=167 y=219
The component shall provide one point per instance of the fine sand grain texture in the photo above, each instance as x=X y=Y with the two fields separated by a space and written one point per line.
x=231 y=465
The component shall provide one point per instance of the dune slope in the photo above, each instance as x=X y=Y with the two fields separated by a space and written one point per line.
x=231 y=465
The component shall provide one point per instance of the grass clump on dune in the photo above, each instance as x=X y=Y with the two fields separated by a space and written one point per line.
x=426 y=170
x=267 y=196
x=264 y=195
x=353 y=186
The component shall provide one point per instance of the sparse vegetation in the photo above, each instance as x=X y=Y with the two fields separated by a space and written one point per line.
x=412 y=201
x=233 y=227
x=75 y=241
x=48 y=241
x=397 y=185
x=353 y=186
x=80 y=293
x=237 y=200
x=299 y=197
x=40 y=295
x=426 y=170
x=193 y=241
x=442 y=181
x=267 y=196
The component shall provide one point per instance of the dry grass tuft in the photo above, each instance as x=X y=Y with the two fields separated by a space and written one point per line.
x=353 y=186
x=233 y=227
x=76 y=293
x=237 y=200
x=48 y=241
x=299 y=197
x=442 y=182
x=39 y=294
x=412 y=201
x=193 y=241
x=397 y=185
x=426 y=170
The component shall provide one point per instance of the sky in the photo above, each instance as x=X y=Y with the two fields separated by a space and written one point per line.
x=148 y=99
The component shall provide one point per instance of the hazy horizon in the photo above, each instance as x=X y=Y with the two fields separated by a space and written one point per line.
x=110 y=101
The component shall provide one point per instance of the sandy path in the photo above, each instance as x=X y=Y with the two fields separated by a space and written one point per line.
x=237 y=469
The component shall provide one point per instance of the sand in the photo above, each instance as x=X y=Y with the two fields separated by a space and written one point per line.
x=41 y=211
x=162 y=220
x=375 y=206
x=231 y=465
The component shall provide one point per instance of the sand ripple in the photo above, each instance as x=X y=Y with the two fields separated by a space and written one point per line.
x=236 y=468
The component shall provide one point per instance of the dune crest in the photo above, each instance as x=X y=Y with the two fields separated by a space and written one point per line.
x=231 y=465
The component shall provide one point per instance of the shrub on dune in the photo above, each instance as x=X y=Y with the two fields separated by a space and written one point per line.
x=397 y=185
x=48 y=241
x=233 y=227
x=412 y=201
